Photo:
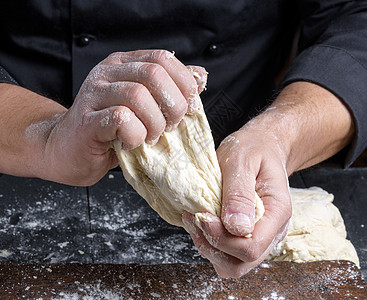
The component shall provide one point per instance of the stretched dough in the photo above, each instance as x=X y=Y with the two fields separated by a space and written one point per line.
x=180 y=173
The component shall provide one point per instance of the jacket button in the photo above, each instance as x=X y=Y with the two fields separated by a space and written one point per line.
x=83 y=41
x=212 y=49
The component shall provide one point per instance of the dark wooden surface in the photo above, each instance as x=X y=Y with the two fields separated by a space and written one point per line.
x=275 y=280
x=47 y=223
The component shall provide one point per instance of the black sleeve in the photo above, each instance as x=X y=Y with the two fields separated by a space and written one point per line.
x=333 y=54
x=5 y=77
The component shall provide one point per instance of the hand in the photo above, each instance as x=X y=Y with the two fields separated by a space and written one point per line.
x=131 y=96
x=305 y=125
x=250 y=161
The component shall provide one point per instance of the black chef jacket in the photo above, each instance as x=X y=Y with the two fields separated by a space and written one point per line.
x=49 y=46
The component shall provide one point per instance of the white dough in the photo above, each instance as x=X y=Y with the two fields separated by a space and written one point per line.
x=316 y=230
x=181 y=173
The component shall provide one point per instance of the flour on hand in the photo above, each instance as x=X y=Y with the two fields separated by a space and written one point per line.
x=181 y=172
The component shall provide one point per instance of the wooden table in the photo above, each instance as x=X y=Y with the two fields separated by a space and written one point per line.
x=272 y=280
x=48 y=224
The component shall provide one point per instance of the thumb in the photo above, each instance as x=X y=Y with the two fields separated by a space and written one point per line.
x=239 y=200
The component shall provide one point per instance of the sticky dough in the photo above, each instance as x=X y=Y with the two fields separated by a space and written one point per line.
x=181 y=173
x=316 y=230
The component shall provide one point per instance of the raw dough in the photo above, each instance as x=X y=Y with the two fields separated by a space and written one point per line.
x=180 y=173
x=316 y=230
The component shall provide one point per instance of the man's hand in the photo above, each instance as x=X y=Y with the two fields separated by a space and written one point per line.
x=250 y=161
x=305 y=125
x=132 y=96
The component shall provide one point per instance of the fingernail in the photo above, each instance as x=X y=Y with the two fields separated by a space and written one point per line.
x=240 y=222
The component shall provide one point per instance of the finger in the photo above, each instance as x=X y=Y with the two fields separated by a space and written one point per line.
x=272 y=185
x=116 y=122
x=176 y=70
x=238 y=199
x=138 y=99
x=219 y=259
x=155 y=78
x=200 y=75
x=265 y=236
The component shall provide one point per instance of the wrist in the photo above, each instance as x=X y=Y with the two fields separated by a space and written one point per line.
x=24 y=130
x=308 y=124
x=275 y=131
x=41 y=135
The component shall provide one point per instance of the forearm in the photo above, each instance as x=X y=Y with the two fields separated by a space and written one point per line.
x=308 y=123
x=26 y=120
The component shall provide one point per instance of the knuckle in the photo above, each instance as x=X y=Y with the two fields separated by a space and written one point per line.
x=136 y=139
x=121 y=115
x=237 y=197
x=160 y=56
x=137 y=91
x=176 y=113
x=94 y=81
x=253 y=254
x=156 y=128
x=238 y=201
x=154 y=71
x=99 y=73
x=115 y=56
x=111 y=58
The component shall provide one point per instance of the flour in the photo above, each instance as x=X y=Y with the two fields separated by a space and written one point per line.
x=109 y=244
x=105 y=121
x=37 y=129
x=5 y=253
x=273 y=296
x=133 y=290
x=38 y=227
x=168 y=100
x=170 y=55
x=91 y=292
